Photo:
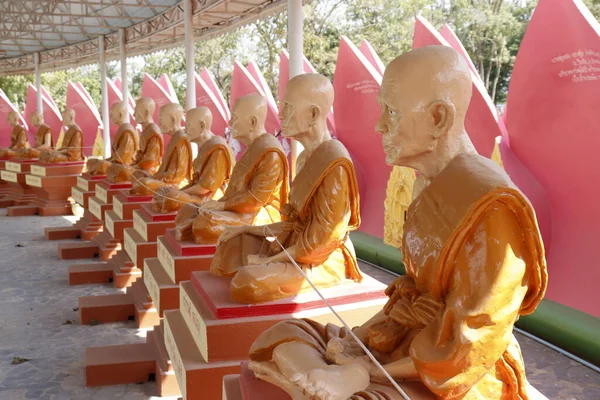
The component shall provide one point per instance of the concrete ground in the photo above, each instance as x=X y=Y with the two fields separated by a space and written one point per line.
x=39 y=322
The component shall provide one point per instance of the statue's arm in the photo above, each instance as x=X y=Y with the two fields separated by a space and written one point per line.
x=22 y=139
x=177 y=170
x=125 y=148
x=74 y=149
x=482 y=297
x=47 y=143
x=213 y=175
x=265 y=180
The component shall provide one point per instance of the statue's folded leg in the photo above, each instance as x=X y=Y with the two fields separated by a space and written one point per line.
x=209 y=225
x=267 y=282
x=231 y=256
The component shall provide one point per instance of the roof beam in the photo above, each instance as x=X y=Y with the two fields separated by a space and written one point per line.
x=108 y=3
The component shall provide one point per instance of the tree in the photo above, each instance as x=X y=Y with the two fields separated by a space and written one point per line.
x=15 y=88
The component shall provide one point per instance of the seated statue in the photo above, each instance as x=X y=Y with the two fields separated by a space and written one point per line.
x=258 y=186
x=212 y=166
x=474 y=263
x=70 y=149
x=176 y=168
x=323 y=208
x=18 y=137
x=43 y=138
x=125 y=143
x=146 y=160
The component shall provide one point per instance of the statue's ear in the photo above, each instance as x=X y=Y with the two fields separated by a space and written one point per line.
x=442 y=115
x=202 y=125
x=315 y=113
x=254 y=121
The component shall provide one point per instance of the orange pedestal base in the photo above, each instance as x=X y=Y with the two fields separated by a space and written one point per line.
x=52 y=187
x=104 y=245
x=13 y=177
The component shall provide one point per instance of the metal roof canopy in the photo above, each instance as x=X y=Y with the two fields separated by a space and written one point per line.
x=65 y=32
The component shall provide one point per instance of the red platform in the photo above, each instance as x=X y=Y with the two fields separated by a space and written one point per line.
x=88 y=226
x=18 y=192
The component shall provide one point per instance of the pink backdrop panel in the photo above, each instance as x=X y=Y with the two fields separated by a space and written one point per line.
x=553 y=126
x=206 y=98
x=114 y=96
x=284 y=77
x=119 y=86
x=166 y=84
x=481 y=121
x=356 y=83
x=448 y=34
x=52 y=116
x=210 y=82
x=7 y=106
x=86 y=114
x=49 y=98
x=372 y=56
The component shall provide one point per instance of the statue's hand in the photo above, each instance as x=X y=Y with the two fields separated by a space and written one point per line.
x=213 y=205
x=230 y=233
x=256 y=259
x=347 y=351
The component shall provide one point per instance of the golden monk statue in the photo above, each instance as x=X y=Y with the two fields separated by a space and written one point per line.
x=399 y=195
x=125 y=143
x=146 y=160
x=212 y=166
x=70 y=149
x=473 y=254
x=259 y=182
x=176 y=167
x=18 y=137
x=43 y=138
x=323 y=208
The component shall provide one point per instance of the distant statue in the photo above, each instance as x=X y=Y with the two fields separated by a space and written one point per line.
x=211 y=169
x=147 y=159
x=43 y=138
x=70 y=149
x=18 y=137
x=125 y=143
x=474 y=264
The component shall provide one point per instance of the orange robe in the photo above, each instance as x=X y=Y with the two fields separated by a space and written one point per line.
x=146 y=160
x=212 y=169
x=475 y=263
x=125 y=146
x=175 y=170
x=70 y=149
x=18 y=141
x=323 y=208
x=255 y=194
x=42 y=136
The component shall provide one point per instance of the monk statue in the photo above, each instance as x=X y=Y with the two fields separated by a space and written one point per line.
x=323 y=208
x=399 y=195
x=18 y=137
x=43 y=138
x=147 y=158
x=176 y=167
x=211 y=168
x=70 y=149
x=474 y=262
x=125 y=143
x=258 y=186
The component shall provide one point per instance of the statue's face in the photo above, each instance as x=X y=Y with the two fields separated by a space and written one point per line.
x=166 y=121
x=115 y=116
x=240 y=123
x=139 y=114
x=67 y=118
x=12 y=119
x=295 y=115
x=35 y=119
x=404 y=123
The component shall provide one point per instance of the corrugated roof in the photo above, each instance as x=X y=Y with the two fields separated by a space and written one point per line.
x=65 y=32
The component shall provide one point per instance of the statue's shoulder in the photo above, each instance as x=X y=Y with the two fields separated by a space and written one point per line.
x=267 y=141
x=127 y=127
x=153 y=129
x=75 y=128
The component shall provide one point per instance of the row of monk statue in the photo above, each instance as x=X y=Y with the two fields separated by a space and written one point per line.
x=471 y=245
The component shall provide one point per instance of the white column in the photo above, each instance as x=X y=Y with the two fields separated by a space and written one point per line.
x=123 y=56
x=295 y=49
x=104 y=105
x=189 y=53
x=38 y=83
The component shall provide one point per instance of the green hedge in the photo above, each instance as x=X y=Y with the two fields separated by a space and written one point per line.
x=564 y=327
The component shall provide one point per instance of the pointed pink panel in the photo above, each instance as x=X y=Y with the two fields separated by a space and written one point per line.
x=52 y=116
x=118 y=83
x=284 y=77
x=356 y=84
x=208 y=79
x=553 y=125
x=272 y=124
x=166 y=84
x=482 y=120
x=49 y=98
x=115 y=95
x=83 y=90
x=86 y=115
x=151 y=88
x=448 y=34
x=206 y=98
x=7 y=106
x=371 y=55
